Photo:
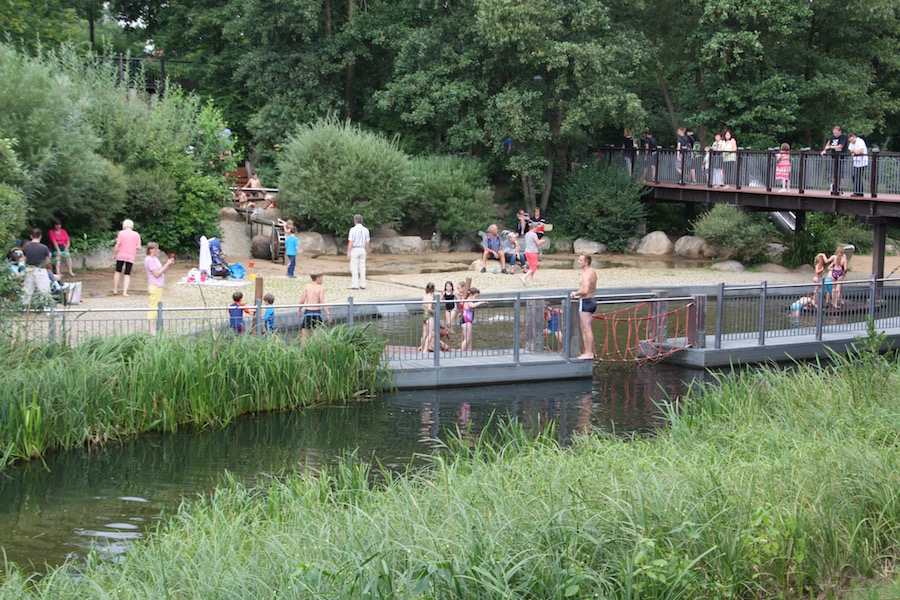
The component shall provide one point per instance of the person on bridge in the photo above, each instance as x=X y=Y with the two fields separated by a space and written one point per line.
x=837 y=146
x=357 y=247
x=860 y=153
x=783 y=167
x=729 y=158
x=586 y=292
x=715 y=161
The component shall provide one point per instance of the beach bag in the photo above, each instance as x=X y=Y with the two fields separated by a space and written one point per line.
x=73 y=293
x=237 y=271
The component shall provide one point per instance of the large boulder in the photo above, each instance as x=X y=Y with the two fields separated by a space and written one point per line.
x=260 y=247
x=384 y=232
x=467 y=243
x=228 y=213
x=774 y=251
x=632 y=244
x=314 y=244
x=655 y=244
x=583 y=246
x=689 y=246
x=99 y=259
x=806 y=270
x=405 y=244
x=563 y=246
x=728 y=266
x=773 y=268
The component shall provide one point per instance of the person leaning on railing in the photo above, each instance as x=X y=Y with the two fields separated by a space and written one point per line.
x=837 y=146
x=860 y=153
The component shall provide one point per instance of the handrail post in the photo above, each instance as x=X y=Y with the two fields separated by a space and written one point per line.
x=680 y=156
x=258 y=317
x=696 y=332
x=436 y=334
x=709 y=170
x=737 y=179
x=835 y=184
x=567 y=338
x=720 y=313
x=350 y=311
x=820 y=310
x=762 y=313
x=873 y=292
x=802 y=175
x=873 y=175
x=517 y=327
x=52 y=329
x=655 y=175
x=768 y=170
x=159 y=316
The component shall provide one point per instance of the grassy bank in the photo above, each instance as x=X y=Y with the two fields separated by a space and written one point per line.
x=53 y=396
x=773 y=484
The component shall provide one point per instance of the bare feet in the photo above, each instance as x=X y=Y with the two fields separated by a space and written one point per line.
x=115 y=293
x=124 y=295
x=586 y=357
x=523 y=280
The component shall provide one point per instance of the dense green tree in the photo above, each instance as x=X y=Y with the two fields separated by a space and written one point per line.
x=28 y=24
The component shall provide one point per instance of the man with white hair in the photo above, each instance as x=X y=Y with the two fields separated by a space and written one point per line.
x=491 y=249
x=357 y=247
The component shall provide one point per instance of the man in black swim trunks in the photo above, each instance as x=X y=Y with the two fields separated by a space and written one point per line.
x=586 y=292
x=313 y=303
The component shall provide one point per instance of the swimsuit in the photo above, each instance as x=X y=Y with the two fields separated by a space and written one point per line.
x=452 y=301
x=311 y=318
x=588 y=305
x=468 y=314
x=837 y=274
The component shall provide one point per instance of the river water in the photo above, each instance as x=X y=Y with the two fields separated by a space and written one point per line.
x=107 y=498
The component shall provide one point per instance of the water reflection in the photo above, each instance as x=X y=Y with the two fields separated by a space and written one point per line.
x=108 y=497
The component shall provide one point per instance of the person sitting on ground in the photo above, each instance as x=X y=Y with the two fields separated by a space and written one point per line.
x=511 y=251
x=801 y=304
x=239 y=196
x=236 y=313
x=540 y=223
x=522 y=219
x=17 y=262
x=269 y=314
x=491 y=249
x=254 y=188
x=312 y=302
x=444 y=335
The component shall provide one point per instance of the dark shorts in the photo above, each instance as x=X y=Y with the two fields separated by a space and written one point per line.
x=311 y=319
x=122 y=266
x=587 y=305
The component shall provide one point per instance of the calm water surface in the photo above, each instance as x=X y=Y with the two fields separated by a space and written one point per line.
x=105 y=499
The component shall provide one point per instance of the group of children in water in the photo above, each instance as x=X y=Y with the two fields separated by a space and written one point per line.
x=830 y=272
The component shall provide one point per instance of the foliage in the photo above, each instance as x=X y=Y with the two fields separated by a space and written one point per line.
x=602 y=204
x=331 y=170
x=769 y=483
x=736 y=234
x=823 y=233
x=12 y=197
x=110 y=388
x=29 y=25
x=452 y=194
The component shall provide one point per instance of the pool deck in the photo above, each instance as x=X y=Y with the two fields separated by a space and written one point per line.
x=462 y=371
x=776 y=349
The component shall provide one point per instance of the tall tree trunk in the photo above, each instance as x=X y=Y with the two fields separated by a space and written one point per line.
x=550 y=155
x=91 y=24
x=348 y=77
x=664 y=87
x=327 y=8
x=528 y=189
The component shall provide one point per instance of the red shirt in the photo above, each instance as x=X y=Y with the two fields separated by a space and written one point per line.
x=60 y=237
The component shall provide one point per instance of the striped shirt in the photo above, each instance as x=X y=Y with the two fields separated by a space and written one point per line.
x=358 y=236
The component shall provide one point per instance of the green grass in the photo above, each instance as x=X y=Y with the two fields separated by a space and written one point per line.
x=769 y=484
x=109 y=388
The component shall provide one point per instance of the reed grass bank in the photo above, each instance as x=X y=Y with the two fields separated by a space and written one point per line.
x=769 y=484
x=55 y=396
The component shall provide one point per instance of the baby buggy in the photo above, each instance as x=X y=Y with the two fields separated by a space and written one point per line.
x=220 y=266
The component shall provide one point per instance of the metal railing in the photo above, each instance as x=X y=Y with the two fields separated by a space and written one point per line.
x=873 y=174
x=764 y=312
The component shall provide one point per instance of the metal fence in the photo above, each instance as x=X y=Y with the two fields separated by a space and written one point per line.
x=763 y=312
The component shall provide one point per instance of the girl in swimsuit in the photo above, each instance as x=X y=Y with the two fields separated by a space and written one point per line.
x=838 y=262
x=467 y=315
x=427 y=318
x=449 y=297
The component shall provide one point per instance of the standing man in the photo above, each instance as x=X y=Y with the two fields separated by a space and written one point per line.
x=586 y=292
x=860 y=153
x=37 y=278
x=357 y=247
x=837 y=146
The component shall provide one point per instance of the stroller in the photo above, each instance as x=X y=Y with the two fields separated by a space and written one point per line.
x=219 y=266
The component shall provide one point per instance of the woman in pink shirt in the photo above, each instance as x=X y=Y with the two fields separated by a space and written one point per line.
x=156 y=279
x=59 y=246
x=127 y=244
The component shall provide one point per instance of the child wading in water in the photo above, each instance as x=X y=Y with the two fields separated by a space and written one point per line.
x=783 y=167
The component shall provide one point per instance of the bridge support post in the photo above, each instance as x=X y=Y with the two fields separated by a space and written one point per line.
x=660 y=321
x=720 y=315
x=820 y=310
x=572 y=327
x=762 y=313
x=534 y=325
x=436 y=334
x=517 y=327
x=799 y=221
x=350 y=311
x=696 y=327
x=878 y=250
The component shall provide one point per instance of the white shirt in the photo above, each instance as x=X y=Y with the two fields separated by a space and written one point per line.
x=358 y=236
x=863 y=159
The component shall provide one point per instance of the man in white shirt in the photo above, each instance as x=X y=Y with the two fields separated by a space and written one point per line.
x=357 y=247
x=860 y=153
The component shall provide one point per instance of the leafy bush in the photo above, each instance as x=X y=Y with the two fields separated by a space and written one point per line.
x=152 y=195
x=196 y=214
x=452 y=194
x=738 y=235
x=823 y=233
x=331 y=170
x=601 y=204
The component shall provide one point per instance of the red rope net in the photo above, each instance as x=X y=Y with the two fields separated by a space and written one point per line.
x=642 y=333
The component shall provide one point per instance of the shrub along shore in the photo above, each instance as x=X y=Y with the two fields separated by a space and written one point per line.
x=110 y=388
x=768 y=484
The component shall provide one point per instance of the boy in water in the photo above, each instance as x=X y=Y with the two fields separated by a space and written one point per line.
x=236 y=312
x=313 y=301
x=269 y=314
